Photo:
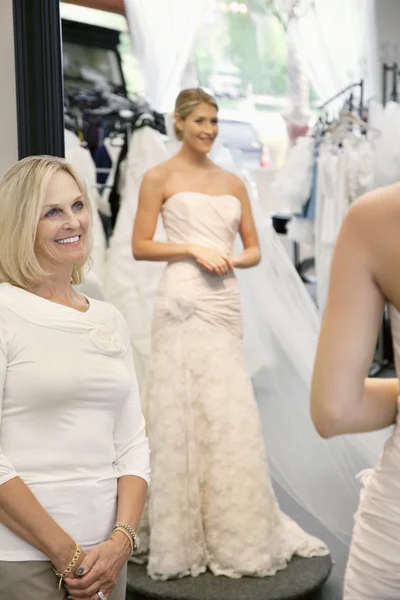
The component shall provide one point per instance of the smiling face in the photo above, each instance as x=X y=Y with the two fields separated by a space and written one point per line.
x=62 y=235
x=200 y=128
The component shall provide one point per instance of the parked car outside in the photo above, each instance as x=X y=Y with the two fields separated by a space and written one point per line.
x=240 y=137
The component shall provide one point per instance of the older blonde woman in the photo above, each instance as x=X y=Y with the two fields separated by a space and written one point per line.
x=74 y=461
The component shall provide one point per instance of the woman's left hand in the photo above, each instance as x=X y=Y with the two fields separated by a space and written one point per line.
x=220 y=270
x=101 y=568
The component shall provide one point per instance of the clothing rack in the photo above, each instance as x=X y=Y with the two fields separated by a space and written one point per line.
x=321 y=126
x=395 y=72
x=95 y=115
x=351 y=104
x=383 y=357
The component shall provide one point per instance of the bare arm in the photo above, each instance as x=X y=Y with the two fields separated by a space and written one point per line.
x=150 y=201
x=343 y=399
x=132 y=493
x=251 y=254
x=22 y=514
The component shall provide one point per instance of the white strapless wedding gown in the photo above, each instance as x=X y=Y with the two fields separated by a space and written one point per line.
x=211 y=503
x=373 y=569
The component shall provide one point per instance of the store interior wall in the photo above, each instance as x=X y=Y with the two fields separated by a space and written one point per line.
x=8 y=112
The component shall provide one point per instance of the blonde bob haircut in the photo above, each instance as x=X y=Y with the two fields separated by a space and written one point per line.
x=22 y=194
x=187 y=101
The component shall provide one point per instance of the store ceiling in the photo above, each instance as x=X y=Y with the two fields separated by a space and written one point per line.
x=114 y=6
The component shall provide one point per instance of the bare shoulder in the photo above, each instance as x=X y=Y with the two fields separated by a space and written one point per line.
x=156 y=175
x=235 y=185
x=389 y=193
x=371 y=232
x=377 y=213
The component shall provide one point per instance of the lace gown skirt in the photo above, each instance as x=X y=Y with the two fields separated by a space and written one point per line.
x=211 y=501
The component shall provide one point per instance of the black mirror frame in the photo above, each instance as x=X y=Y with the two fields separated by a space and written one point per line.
x=39 y=77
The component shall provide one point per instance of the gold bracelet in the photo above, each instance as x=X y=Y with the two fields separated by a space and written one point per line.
x=128 y=535
x=78 y=552
x=129 y=529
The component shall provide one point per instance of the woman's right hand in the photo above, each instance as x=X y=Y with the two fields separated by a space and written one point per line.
x=101 y=569
x=64 y=558
x=211 y=259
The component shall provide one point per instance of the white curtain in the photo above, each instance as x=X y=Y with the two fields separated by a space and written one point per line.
x=163 y=34
x=338 y=42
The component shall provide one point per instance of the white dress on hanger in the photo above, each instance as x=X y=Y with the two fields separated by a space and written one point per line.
x=344 y=174
x=331 y=208
x=386 y=146
x=131 y=285
x=91 y=286
x=113 y=146
x=81 y=159
x=291 y=185
x=373 y=569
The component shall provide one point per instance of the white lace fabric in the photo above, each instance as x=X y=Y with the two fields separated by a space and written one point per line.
x=211 y=500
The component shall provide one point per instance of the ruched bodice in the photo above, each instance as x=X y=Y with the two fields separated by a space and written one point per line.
x=187 y=288
x=203 y=219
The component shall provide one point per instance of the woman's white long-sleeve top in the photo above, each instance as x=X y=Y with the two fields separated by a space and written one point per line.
x=70 y=417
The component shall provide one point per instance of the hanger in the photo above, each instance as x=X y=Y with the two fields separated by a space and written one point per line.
x=350 y=117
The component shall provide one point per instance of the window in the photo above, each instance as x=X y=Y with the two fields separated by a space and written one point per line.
x=238 y=134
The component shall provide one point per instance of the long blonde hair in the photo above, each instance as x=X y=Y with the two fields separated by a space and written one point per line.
x=22 y=193
x=187 y=101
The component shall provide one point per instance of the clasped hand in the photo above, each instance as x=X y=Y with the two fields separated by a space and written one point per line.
x=213 y=260
x=101 y=568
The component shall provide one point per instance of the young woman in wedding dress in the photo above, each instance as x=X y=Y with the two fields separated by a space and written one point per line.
x=365 y=274
x=211 y=500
